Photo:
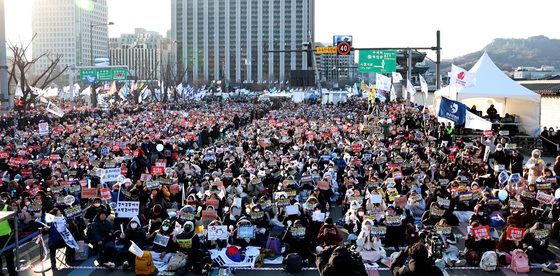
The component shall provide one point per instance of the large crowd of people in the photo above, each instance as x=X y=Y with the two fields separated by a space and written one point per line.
x=195 y=185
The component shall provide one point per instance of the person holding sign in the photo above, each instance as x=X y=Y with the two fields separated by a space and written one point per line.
x=134 y=233
x=477 y=245
x=243 y=234
x=369 y=243
x=535 y=242
x=164 y=242
x=297 y=240
x=396 y=227
x=188 y=241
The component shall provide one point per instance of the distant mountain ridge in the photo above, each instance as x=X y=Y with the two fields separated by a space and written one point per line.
x=510 y=53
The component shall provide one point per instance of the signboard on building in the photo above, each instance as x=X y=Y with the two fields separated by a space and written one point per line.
x=326 y=50
x=377 y=61
x=342 y=38
x=104 y=73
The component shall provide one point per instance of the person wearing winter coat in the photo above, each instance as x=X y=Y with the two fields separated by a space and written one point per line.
x=418 y=262
x=102 y=238
x=165 y=232
x=297 y=240
x=329 y=235
x=535 y=242
x=133 y=233
x=188 y=240
x=368 y=244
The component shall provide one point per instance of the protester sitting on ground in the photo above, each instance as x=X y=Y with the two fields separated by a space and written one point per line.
x=418 y=262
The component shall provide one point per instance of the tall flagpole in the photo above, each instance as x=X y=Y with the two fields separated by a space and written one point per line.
x=3 y=64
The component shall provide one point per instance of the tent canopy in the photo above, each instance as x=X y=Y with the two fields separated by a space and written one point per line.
x=494 y=87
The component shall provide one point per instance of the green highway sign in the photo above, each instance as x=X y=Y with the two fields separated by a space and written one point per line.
x=104 y=73
x=377 y=61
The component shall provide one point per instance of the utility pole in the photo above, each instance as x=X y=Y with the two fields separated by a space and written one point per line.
x=408 y=72
x=438 y=61
x=3 y=61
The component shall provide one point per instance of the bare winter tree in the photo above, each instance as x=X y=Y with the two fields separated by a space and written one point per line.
x=172 y=79
x=20 y=72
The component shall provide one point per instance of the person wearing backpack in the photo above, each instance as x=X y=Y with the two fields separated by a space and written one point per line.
x=535 y=242
x=418 y=265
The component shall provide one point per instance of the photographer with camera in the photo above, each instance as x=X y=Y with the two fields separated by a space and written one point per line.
x=418 y=263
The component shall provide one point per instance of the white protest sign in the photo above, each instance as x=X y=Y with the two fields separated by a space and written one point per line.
x=318 y=216
x=43 y=129
x=217 y=232
x=161 y=240
x=292 y=210
x=127 y=209
x=110 y=175
x=136 y=250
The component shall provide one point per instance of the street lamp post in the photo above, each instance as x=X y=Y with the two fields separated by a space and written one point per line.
x=91 y=25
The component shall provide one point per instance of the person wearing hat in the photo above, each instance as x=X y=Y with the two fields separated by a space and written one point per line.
x=94 y=208
x=101 y=236
x=134 y=232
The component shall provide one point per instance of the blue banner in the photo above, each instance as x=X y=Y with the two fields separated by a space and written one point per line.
x=452 y=110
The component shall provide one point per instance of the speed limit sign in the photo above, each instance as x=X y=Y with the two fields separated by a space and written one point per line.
x=343 y=48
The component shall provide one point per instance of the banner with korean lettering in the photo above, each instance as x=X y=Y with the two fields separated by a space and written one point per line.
x=452 y=110
x=514 y=233
x=127 y=209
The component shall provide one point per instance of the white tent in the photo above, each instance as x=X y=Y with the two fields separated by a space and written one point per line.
x=494 y=87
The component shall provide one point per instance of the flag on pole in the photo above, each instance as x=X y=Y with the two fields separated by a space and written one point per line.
x=112 y=89
x=19 y=92
x=410 y=89
x=397 y=77
x=382 y=82
x=452 y=110
x=473 y=121
x=393 y=94
x=423 y=86
x=461 y=77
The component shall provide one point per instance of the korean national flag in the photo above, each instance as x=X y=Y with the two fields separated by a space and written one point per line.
x=452 y=110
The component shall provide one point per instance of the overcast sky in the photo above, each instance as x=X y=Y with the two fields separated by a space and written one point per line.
x=466 y=26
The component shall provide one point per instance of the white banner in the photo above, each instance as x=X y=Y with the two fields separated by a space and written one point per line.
x=461 y=77
x=423 y=85
x=52 y=108
x=60 y=224
x=473 y=121
x=382 y=82
x=397 y=77
x=410 y=89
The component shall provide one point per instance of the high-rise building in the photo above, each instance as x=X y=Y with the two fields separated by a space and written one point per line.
x=229 y=39
x=62 y=27
x=146 y=53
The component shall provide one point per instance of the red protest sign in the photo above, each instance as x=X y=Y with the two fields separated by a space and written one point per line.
x=514 y=233
x=54 y=157
x=27 y=172
x=89 y=192
x=323 y=185
x=115 y=147
x=15 y=161
x=481 y=232
x=357 y=148
x=488 y=133
x=157 y=170
x=212 y=202
x=124 y=170
x=34 y=190
x=4 y=155
x=105 y=193
x=45 y=162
